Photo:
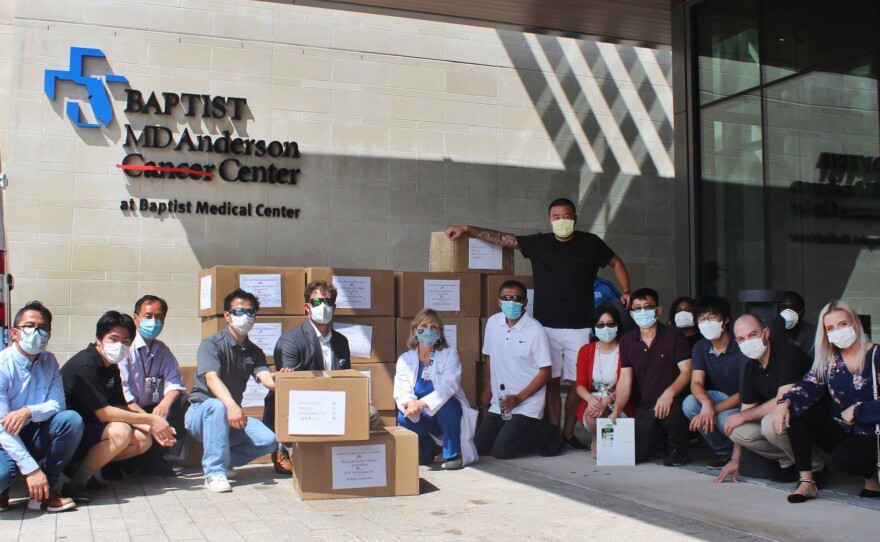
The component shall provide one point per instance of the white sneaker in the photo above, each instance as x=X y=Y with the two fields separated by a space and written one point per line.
x=231 y=474
x=218 y=484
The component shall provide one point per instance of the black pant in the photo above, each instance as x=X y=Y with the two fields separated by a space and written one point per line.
x=507 y=439
x=653 y=435
x=855 y=454
x=176 y=415
x=269 y=411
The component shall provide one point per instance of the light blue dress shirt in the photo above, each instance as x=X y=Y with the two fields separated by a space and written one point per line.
x=36 y=385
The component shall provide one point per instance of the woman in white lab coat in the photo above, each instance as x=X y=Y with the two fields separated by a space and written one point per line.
x=430 y=401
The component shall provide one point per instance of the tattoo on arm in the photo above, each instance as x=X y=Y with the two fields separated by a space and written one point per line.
x=506 y=240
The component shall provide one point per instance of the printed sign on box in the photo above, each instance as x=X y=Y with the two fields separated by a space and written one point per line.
x=359 y=466
x=317 y=413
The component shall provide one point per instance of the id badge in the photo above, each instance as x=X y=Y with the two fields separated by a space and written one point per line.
x=428 y=373
x=154 y=389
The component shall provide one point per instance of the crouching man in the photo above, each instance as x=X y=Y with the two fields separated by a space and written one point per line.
x=93 y=387
x=224 y=363
x=34 y=427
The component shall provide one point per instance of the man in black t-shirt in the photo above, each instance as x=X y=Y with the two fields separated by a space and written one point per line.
x=93 y=388
x=564 y=265
x=774 y=366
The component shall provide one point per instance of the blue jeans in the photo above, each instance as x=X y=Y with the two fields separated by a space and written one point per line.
x=52 y=442
x=716 y=439
x=226 y=447
x=445 y=422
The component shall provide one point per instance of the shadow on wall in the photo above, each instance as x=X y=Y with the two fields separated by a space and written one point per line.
x=607 y=110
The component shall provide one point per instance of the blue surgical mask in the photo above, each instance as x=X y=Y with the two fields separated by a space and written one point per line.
x=512 y=309
x=645 y=318
x=150 y=328
x=606 y=334
x=429 y=337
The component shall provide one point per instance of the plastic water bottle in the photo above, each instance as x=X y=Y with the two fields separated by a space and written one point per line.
x=505 y=415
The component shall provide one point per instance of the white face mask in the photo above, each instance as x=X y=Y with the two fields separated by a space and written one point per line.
x=790 y=317
x=753 y=348
x=711 y=329
x=842 y=338
x=684 y=319
x=322 y=314
x=115 y=352
x=243 y=324
x=31 y=341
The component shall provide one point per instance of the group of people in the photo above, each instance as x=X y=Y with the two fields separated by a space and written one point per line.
x=119 y=407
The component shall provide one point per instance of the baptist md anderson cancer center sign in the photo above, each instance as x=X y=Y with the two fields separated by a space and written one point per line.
x=224 y=156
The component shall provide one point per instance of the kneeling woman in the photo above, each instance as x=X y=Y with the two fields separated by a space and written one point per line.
x=598 y=368
x=844 y=370
x=429 y=397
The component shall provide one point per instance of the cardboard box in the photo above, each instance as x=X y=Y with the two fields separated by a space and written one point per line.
x=387 y=465
x=450 y=294
x=370 y=338
x=381 y=377
x=491 y=284
x=265 y=334
x=279 y=289
x=468 y=254
x=462 y=333
x=362 y=292
x=322 y=417
x=388 y=417
x=469 y=381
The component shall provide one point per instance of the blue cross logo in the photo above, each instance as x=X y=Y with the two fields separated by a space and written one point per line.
x=99 y=98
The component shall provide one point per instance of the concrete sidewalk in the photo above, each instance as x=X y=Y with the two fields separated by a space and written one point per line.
x=533 y=498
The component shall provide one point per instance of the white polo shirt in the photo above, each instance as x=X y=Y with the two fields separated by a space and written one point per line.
x=516 y=354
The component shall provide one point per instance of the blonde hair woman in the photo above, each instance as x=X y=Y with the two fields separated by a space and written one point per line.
x=844 y=371
x=430 y=401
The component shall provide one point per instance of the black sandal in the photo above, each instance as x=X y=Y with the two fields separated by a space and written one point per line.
x=796 y=498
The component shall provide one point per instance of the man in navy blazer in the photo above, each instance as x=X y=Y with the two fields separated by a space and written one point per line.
x=312 y=346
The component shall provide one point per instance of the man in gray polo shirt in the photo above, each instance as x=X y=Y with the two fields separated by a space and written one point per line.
x=224 y=363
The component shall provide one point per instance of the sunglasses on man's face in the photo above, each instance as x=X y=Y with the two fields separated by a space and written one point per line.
x=316 y=301
x=514 y=298
x=239 y=312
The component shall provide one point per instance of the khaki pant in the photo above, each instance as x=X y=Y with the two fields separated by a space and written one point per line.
x=760 y=438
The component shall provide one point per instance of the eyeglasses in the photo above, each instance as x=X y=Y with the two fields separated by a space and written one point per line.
x=41 y=331
x=600 y=325
x=316 y=301
x=514 y=298
x=239 y=312
x=645 y=308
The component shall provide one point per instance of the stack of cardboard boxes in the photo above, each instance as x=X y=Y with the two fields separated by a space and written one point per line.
x=374 y=310
x=335 y=455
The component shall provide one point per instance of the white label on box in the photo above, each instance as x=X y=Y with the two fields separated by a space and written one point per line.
x=530 y=308
x=254 y=394
x=266 y=335
x=369 y=375
x=359 y=466
x=616 y=444
x=443 y=295
x=267 y=288
x=316 y=413
x=353 y=292
x=482 y=255
x=451 y=334
x=205 y=297
x=360 y=338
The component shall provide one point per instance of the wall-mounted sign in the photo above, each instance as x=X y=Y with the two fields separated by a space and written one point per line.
x=154 y=151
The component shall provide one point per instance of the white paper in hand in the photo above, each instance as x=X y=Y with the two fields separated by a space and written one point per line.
x=616 y=444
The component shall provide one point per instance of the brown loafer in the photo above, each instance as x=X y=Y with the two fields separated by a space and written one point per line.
x=54 y=503
x=281 y=461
